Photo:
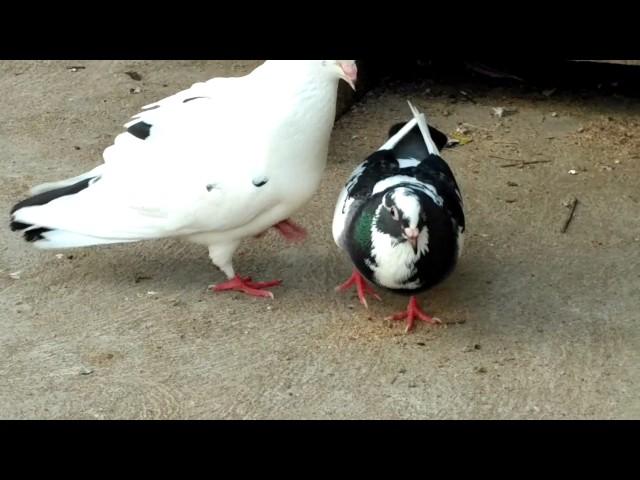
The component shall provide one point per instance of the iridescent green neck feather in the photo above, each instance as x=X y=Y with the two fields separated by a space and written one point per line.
x=363 y=228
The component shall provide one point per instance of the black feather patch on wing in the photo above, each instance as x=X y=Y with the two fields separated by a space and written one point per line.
x=18 y=226
x=140 y=130
x=378 y=165
x=261 y=182
x=44 y=198
x=433 y=170
x=35 y=234
x=191 y=99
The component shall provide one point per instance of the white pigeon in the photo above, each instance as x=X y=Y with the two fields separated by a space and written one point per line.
x=214 y=164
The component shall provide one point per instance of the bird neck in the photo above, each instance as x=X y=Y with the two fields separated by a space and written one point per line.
x=294 y=79
x=300 y=105
x=305 y=111
x=363 y=226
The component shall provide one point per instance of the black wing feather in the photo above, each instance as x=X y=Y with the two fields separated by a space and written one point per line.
x=434 y=170
x=42 y=199
x=377 y=166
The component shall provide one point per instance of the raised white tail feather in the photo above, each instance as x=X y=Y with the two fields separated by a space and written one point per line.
x=389 y=144
x=424 y=129
x=418 y=118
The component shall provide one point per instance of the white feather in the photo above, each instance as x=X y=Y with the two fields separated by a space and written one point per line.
x=59 y=239
x=389 y=144
x=424 y=129
x=343 y=205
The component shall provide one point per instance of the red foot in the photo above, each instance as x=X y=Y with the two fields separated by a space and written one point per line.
x=291 y=231
x=361 y=285
x=245 y=285
x=413 y=311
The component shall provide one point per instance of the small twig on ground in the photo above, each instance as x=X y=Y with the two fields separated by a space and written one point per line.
x=572 y=206
x=523 y=164
x=455 y=322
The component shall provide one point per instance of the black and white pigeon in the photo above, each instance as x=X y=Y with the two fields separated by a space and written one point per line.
x=400 y=217
x=222 y=161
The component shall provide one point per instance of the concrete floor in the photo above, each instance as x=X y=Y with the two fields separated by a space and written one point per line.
x=541 y=324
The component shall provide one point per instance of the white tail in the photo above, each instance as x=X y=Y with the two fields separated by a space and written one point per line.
x=389 y=144
x=60 y=239
x=424 y=129
x=421 y=121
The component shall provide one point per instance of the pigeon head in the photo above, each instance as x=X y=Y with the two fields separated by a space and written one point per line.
x=401 y=216
x=328 y=69
x=347 y=71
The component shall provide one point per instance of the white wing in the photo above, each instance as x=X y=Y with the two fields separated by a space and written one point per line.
x=193 y=173
x=152 y=203
x=163 y=116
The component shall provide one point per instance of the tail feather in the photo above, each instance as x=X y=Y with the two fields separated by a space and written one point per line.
x=415 y=138
x=424 y=129
x=46 y=187
x=61 y=239
x=439 y=138
x=395 y=139
x=48 y=195
x=44 y=237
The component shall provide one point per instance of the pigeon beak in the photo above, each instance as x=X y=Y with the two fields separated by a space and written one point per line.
x=350 y=73
x=412 y=234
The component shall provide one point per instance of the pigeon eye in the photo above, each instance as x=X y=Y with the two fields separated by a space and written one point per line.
x=394 y=213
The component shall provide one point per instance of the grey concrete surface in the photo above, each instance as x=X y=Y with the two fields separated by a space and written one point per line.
x=541 y=324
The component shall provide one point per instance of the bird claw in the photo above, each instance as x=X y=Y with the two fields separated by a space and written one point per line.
x=414 y=311
x=245 y=285
x=362 y=288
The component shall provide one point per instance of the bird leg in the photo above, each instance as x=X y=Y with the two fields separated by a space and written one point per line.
x=221 y=257
x=413 y=311
x=361 y=286
x=245 y=285
x=291 y=231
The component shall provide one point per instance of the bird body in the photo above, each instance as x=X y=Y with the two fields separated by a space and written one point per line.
x=219 y=162
x=400 y=215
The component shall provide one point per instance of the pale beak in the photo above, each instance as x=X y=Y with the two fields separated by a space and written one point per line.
x=350 y=74
x=412 y=234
